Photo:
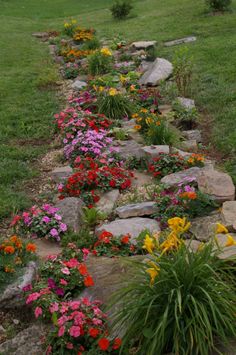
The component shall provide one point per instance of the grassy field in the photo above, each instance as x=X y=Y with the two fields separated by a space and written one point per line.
x=26 y=106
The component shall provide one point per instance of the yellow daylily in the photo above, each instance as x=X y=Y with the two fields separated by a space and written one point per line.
x=171 y=242
x=113 y=92
x=149 y=244
x=106 y=51
x=134 y=115
x=153 y=272
x=230 y=241
x=220 y=228
x=101 y=88
x=179 y=225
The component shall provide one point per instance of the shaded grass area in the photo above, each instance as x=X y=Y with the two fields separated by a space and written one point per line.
x=27 y=104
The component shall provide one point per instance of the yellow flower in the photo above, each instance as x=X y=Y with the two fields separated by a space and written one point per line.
x=230 y=241
x=153 y=272
x=113 y=92
x=179 y=225
x=106 y=51
x=149 y=244
x=123 y=79
x=220 y=228
x=190 y=160
x=73 y=22
x=138 y=127
x=101 y=88
x=66 y=25
x=149 y=120
x=171 y=242
x=134 y=115
x=143 y=110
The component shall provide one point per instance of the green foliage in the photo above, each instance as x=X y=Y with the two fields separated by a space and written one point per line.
x=151 y=54
x=83 y=239
x=120 y=134
x=185 y=118
x=92 y=216
x=114 y=106
x=160 y=132
x=99 y=63
x=121 y=9
x=92 y=44
x=134 y=163
x=183 y=70
x=191 y=303
x=219 y=5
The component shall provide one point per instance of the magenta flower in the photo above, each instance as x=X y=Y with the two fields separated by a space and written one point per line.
x=54 y=232
x=46 y=219
x=38 y=312
x=75 y=331
x=61 y=331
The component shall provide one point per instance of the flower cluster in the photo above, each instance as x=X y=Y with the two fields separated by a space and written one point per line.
x=70 y=70
x=44 y=222
x=109 y=245
x=71 y=55
x=83 y=34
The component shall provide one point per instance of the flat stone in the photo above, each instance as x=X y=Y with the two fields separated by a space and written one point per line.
x=40 y=35
x=216 y=184
x=78 y=85
x=130 y=148
x=192 y=244
x=143 y=44
x=153 y=151
x=203 y=228
x=61 y=173
x=160 y=70
x=165 y=109
x=46 y=247
x=133 y=226
x=194 y=134
x=13 y=295
x=188 y=104
x=228 y=214
x=180 y=41
x=71 y=210
x=190 y=145
x=141 y=179
x=174 y=179
x=227 y=252
x=108 y=201
x=137 y=209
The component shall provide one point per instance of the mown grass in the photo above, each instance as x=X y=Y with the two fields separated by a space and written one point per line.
x=26 y=109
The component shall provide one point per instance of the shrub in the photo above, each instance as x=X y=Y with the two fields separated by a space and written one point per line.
x=183 y=70
x=100 y=62
x=185 y=118
x=219 y=5
x=121 y=9
x=179 y=303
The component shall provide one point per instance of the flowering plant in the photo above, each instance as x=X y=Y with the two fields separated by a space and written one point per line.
x=109 y=245
x=69 y=27
x=148 y=98
x=82 y=34
x=100 y=62
x=70 y=70
x=42 y=222
x=85 y=100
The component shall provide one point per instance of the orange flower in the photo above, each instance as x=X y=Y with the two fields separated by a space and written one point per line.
x=9 y=249
x=14 y=239
x=125 y=239
x=82 y=269
x=8 y=269
x=31 y=248
x=88 y=281
x=190 y=195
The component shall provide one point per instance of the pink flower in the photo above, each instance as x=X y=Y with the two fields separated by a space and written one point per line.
x=75 y=305
x=69 y=346
x=38 y=312
x=62 y=320
x=32 y=297
x=54 y=232
x=49 y=350
x=53 y=307
x=61 y=331
x=63 y=282
x=65 y=271
x=96 y=321
x=72 y=263
x=75 y=331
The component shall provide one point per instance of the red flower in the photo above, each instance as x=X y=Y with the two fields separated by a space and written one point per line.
x=112 y=183
x=93 y=332
x=88 y=281
x=82 y=269
x=103 y=344
x=125 y=239
x=117 y=344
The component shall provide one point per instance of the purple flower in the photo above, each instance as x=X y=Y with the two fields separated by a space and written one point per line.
x=59 y=291
x=63 y=227
x=57 y=217
x=51 y=283
x=46 y=219
x=54 y=232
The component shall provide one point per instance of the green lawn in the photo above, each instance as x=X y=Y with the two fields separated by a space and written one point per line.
x=26 y=108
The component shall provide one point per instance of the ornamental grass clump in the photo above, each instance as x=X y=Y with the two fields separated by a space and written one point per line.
x=100 y=62
x=180 y=302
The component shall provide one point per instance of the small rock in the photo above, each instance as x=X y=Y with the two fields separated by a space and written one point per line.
x=190 y=145
x=227 y=252
x=141 y=179
x=108 y=201
x=2 y=330
x=52 y=49
x=165 y=109
x=228 y=214
x=130 y=148
x=153 y=151
x=71 y=210
x=143 y=44
x=16 y=321
x=46 y=247
x=78 y=85
x=137 y=209
x=132 y=226
x=193 y=135
x=180 y=41
x=181 y=152
x=188 y=104
x=42 y=35
x=192 y=244
x=160 y=70
x=203 y=228
x=174 y=179
x=61 y=173
x=216 y=184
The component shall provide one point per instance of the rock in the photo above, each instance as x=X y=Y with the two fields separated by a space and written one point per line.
x=216 y=184
x=145 y=65
x=61 y=173
x=78 y=85
x=137 y=209
x=52 y=49
x=165 y=109
x=181 y=152
x=43 y=35
x=160 y=70
x=228 y=214
x=108 y=201
x=130 y=148
x=180 y=41
x=188 y=104
x=12 y=296
x=28 y=341
x=143 y=44
x=141 y=179
x=47 y=247
x=227 y=252
x=203 y=228
x=172 y=180
x=132 y=226
x=190 y=145
x=71 y=210
x=16 y=321
x=192 y=244
x=153 y=151
x=193 y=135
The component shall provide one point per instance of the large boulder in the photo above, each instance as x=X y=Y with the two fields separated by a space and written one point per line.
x=204 y=228
x=160 y=70
x=78 y=85
x=193 y=134
x=61 y=173
x=216 y=184
x=172 y=180
x=108 y=201
x=130 y=148
x=131 y=226
x=137 y=209
x=71 y=210
x=228 y=214
x=47 y=247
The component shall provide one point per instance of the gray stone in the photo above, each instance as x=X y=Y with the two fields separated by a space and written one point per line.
x=153 y=151
x=46 y=247
x=180 y=41
x=181 y=152
x=160 y=70
x=137 y=209
x=204 y=228
x=188 y=104
x=78 y=85
x=28 y=341
x=145 y=65
x=108 y=201
x=216 y=184
x=165 y=109
x=61 y=173
x=141 y=179
x=228 y=214
x=192 y=244
x=13 y=295
x=133 y=226
x=227 y=251
x=190 y=145
x=174 y=179
x=193 y=134
x=143 y=44
x=130 y=148
x=71 y=210
x=43 y=35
